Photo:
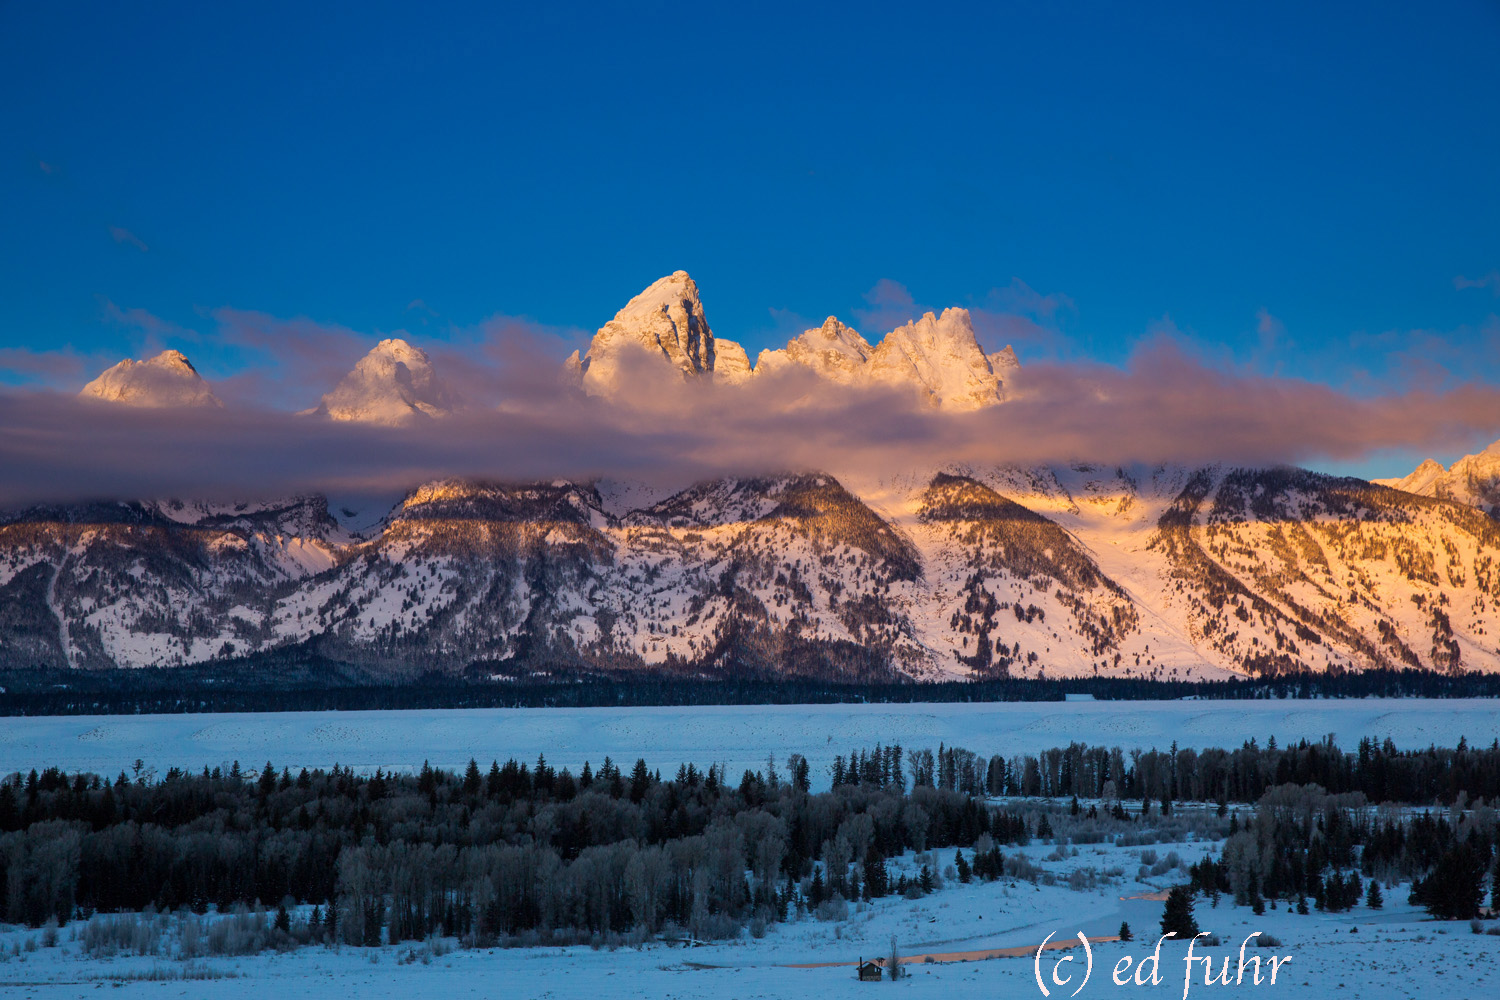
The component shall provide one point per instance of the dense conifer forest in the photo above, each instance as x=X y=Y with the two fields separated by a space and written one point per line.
x=529 y=853
x=271 y=685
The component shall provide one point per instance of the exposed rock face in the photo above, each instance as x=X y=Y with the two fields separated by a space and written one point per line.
x=394 y=384
x=665 y=321
x=834 y=351
x=940 y=356
x=1473 y=480
x=731 y=363
x=1004 y=362
x=169 y=379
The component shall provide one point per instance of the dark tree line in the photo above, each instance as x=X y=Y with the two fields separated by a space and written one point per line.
x=1377 y=770
x=1306 y=844
x=522 y=848
x=296 y=680
x=514 y=849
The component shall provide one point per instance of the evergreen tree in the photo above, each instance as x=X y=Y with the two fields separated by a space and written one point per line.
x=1373 y=899
x=1125 y=934
x=1455 y=886
x=472 y=780
x=875 y=873
x=1177 y=914
x=965 y=873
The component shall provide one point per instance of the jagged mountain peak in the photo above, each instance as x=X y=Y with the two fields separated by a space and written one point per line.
x=1004 y=361
x=394 y=384
x=940 y=355
x=169 y=379
x=731 y=363
x=1473 y=480
x=834 y=351
x=665 y=321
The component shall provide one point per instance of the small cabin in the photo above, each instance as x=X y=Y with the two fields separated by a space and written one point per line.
x=869 y=972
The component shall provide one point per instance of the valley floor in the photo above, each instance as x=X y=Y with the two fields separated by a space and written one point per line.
x=740 y=737
x=1397 y=952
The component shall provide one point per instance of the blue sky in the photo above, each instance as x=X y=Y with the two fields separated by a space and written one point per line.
x=1292 y=189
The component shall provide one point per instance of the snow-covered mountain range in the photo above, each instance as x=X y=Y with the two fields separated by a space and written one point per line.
x=1164 y=572
x=947 y=571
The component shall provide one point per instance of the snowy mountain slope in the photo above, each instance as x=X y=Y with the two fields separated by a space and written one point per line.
x=1000 y=559
x=1068 y=571
x=169 y=379
x=394 y=384
x=1284 y=570
x=1472 y=480
x=102 y=585
x=727 y=570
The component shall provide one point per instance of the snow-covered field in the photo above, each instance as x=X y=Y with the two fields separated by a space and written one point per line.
x=1397 y=952
x=1393 y=953
x=738 y=736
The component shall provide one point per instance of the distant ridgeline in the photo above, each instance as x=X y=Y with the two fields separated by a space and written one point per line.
x=343 y=687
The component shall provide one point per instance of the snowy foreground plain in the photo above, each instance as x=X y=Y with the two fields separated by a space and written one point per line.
x=739 y=737
x=1396 y=952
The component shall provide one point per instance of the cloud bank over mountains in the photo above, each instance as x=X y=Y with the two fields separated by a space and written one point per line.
x=657 y=395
